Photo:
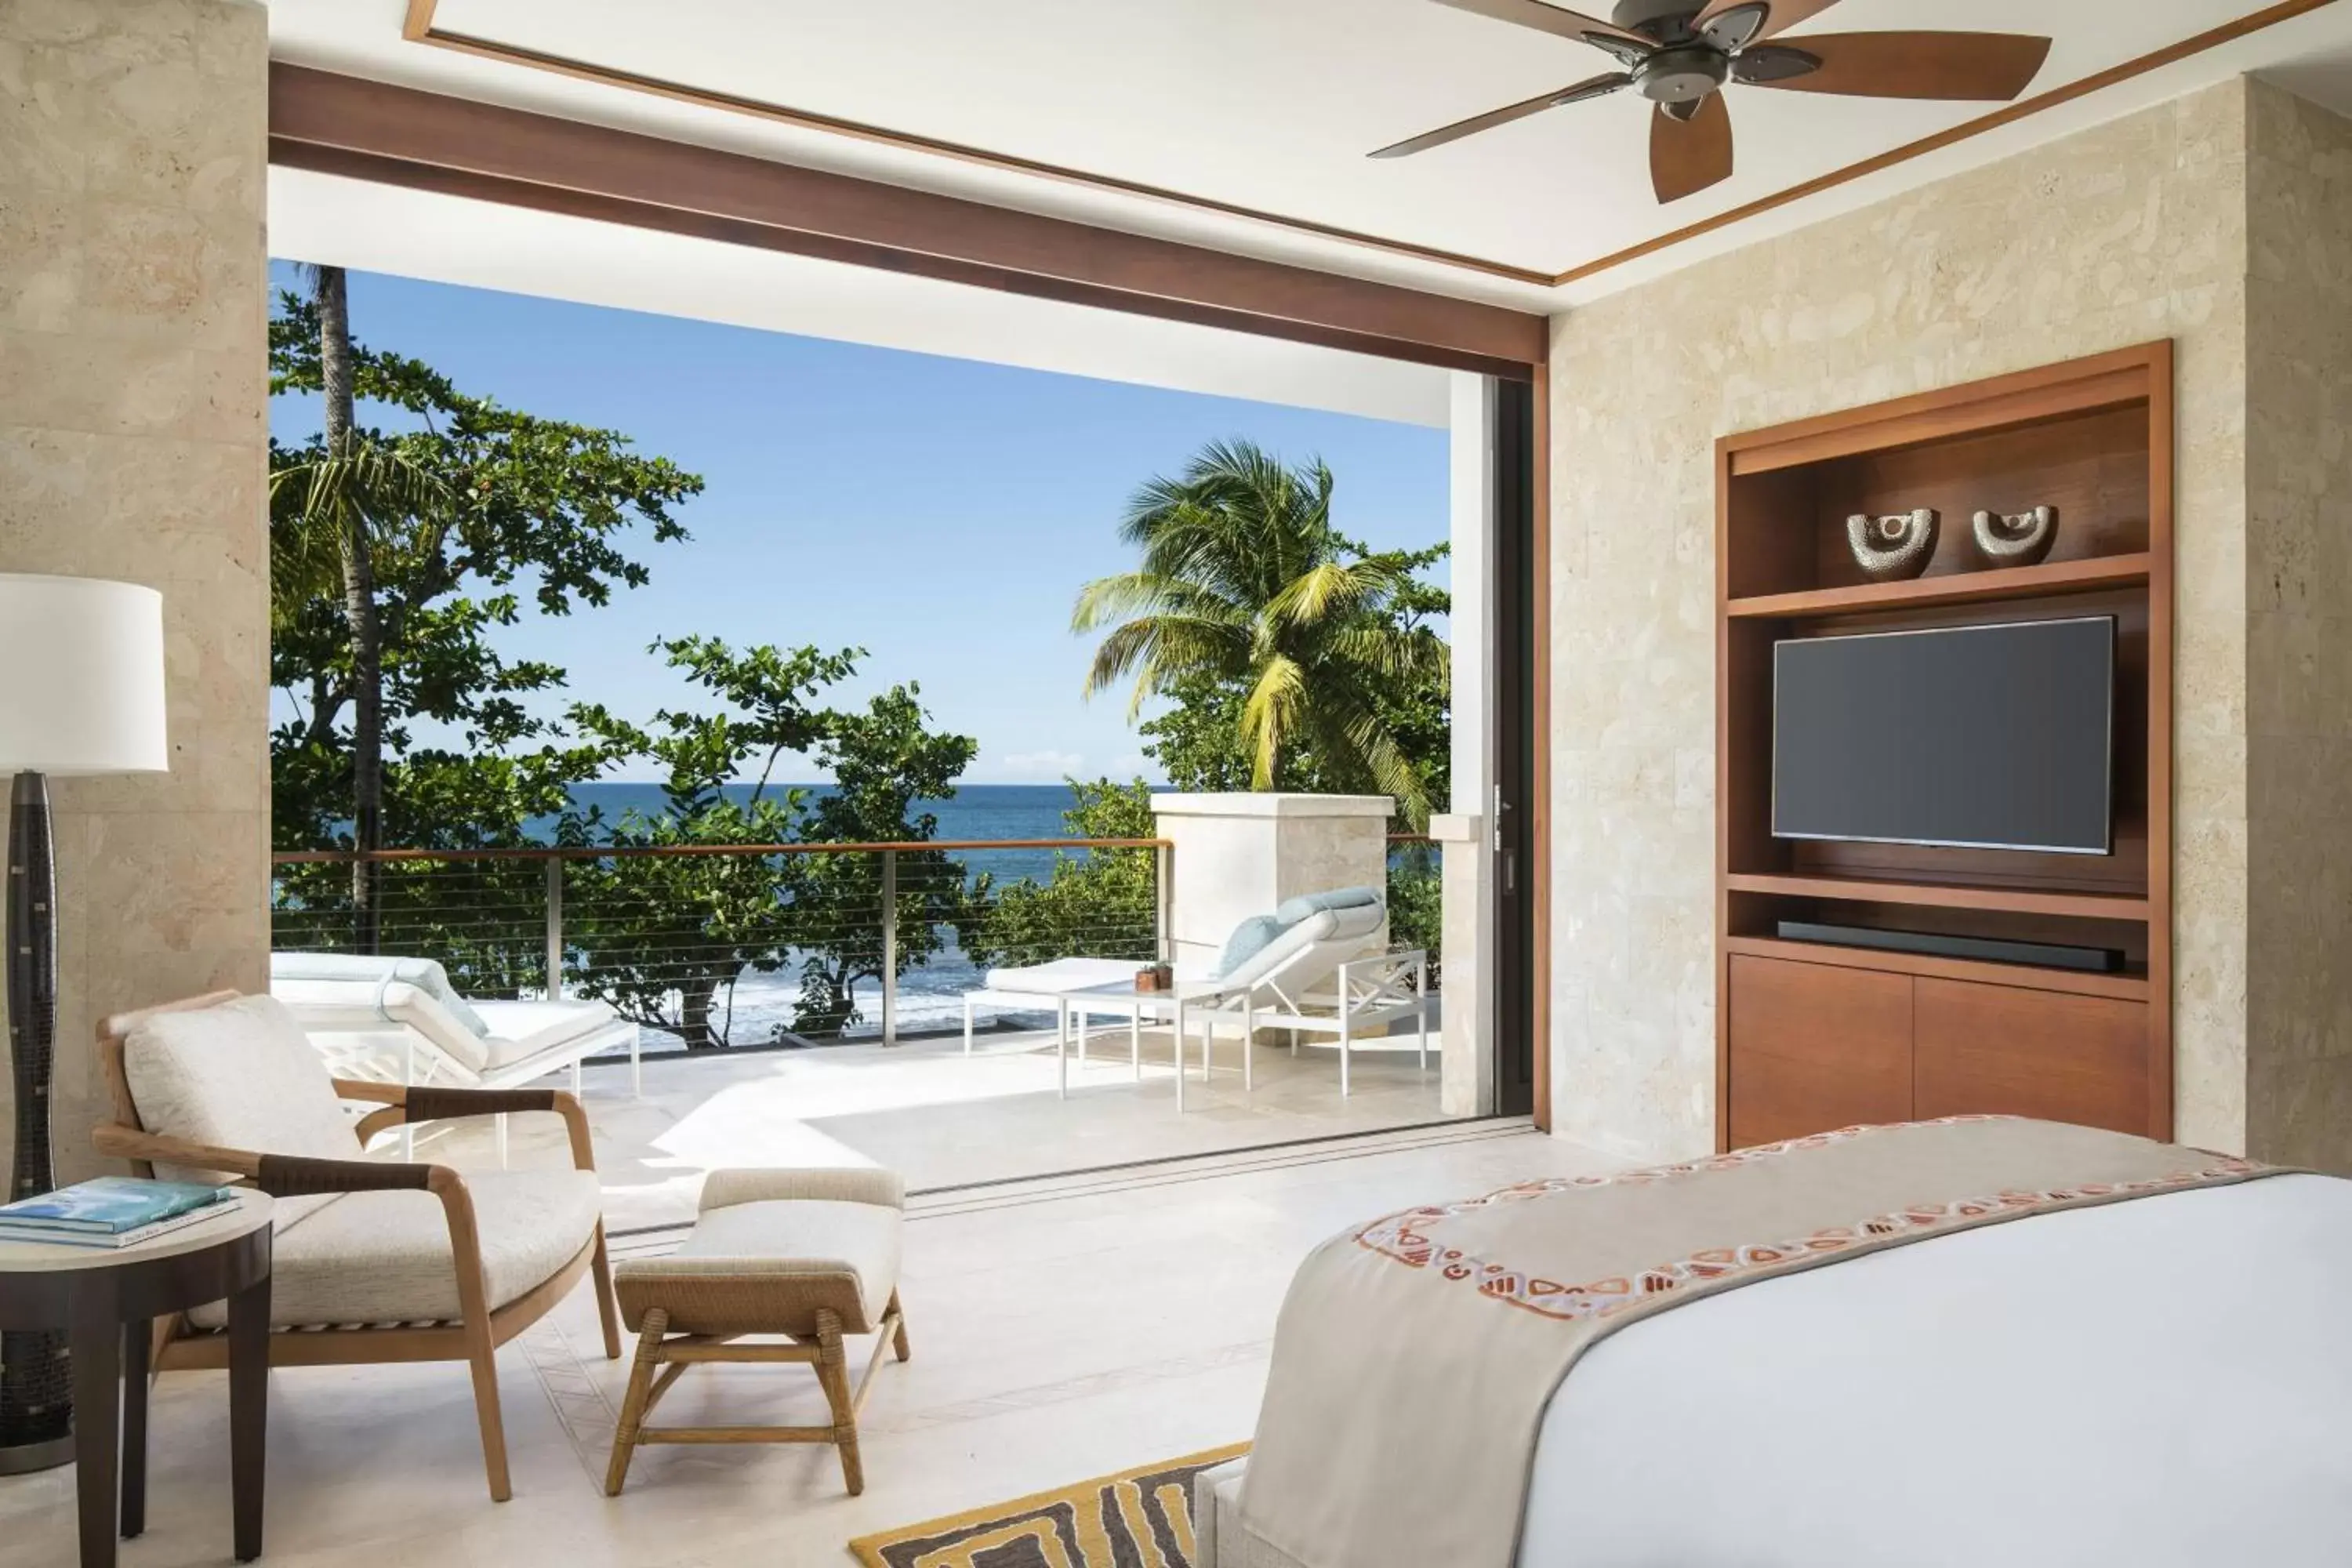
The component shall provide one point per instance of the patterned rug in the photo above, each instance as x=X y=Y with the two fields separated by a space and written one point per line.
x=1137 y=1518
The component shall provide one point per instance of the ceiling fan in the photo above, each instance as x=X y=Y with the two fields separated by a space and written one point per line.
x=1680 y=54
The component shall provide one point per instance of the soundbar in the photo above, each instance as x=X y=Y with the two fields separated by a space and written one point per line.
x=1992 y=950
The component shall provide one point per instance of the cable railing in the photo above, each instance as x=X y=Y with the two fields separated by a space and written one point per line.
x=719 y=945
x=710 y=946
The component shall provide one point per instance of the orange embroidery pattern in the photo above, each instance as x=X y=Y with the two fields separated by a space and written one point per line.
x=1407 y=1237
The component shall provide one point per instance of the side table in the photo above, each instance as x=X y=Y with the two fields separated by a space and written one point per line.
x=106 y=1300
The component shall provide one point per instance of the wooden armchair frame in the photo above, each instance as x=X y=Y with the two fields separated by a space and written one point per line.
x=476 y=1337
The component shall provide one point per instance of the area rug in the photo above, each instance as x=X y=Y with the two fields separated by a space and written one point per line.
x=1136 y=1518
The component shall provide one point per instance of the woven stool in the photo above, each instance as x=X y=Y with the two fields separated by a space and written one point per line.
x=810 y=1255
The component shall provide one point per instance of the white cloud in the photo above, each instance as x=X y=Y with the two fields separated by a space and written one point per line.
x=1133 y=765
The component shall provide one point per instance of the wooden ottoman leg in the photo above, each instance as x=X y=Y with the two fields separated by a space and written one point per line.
x=832 y=1370
x=899 y=1335
x=632 y=1404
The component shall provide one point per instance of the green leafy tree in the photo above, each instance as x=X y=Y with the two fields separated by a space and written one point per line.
x=666 y=938
x=495 y=506
x=1249 y=606
x=1096 y=903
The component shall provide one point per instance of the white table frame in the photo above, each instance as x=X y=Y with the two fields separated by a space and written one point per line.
x=1116 y=999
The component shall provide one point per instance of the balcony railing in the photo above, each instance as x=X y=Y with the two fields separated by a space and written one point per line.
x=729 y=944
x=745 y=944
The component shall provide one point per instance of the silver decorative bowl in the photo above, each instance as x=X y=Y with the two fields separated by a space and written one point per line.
x=1890 y=549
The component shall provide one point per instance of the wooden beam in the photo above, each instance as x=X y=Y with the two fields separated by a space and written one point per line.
x=396 y=135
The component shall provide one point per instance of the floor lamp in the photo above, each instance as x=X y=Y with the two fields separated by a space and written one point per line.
x=81 y=691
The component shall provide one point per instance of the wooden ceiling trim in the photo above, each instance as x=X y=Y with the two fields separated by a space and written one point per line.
x=405 y=136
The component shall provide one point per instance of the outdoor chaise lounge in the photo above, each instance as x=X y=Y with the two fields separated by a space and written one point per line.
x=398 y=1020
x=1314 y=966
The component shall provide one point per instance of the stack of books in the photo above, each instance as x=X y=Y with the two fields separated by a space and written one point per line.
x=112 y=1211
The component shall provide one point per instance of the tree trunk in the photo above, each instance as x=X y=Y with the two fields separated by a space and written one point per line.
x=360 y=616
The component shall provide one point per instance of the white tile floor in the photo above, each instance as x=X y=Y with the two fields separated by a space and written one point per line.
x=944 y=1118
x=1059 y=1330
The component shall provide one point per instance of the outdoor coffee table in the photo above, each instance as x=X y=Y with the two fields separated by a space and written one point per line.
x=106 y=1300
x=1086 y=996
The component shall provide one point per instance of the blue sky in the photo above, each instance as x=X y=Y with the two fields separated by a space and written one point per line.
x=938 y=512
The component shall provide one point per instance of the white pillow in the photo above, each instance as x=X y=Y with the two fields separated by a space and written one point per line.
x=241 y=1075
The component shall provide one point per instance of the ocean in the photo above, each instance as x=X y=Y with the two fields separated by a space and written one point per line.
x=974 y=812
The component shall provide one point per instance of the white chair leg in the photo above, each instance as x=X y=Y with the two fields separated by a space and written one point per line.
x=1062 y=1049
x=500 y=1121
x=636 y=1067
x=1249 y=1043
x=1135 y=1041
x=1082 y=1040
x=576 y=1079
x=1420 y=1012
x=967 y=1024
x=1176 y=1053
x=1344 y=1032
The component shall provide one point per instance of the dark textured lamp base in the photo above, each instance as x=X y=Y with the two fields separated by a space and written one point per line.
x=25 y=1458
x=35 y=1372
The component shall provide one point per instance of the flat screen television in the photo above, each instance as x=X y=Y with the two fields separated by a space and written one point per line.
x=1998 y=737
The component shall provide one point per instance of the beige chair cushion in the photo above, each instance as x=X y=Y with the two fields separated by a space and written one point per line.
x=240 y=1075
x=385 y=1258
x=847 y=1183
x=769 y=1268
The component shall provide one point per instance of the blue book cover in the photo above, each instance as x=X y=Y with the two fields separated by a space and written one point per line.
x=109 y=1206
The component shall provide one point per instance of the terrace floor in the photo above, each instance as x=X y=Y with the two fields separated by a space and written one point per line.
x=1060 y=1331
x=946 y=1120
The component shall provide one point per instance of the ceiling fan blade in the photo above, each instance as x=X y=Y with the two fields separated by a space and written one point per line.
x=1596 y=87
x=1687 y=155
x=1783 y=15
x=1957 y=66
x=1555 y=20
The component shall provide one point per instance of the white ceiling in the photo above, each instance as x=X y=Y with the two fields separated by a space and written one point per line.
x=485 y=245
x=1272 y=105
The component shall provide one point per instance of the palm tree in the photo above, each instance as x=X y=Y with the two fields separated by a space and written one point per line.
x=1244 y=582
x=336 y=507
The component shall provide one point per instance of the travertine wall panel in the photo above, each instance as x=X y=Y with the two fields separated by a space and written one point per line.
x=133 y=418
x=2128 y=232
x=2299 y=631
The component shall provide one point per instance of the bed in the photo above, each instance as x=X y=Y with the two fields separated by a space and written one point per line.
x=2158 y=1381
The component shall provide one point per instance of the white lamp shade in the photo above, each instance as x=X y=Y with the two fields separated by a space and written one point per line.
x=82 y=677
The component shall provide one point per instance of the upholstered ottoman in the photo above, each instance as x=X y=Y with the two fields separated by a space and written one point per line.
x=809 y=1254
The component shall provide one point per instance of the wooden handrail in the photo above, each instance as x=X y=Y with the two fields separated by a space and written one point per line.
x=651 y=851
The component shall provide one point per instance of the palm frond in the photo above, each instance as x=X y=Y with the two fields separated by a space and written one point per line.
x=1269 y=715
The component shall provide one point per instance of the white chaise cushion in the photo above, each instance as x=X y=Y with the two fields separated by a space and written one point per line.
x=385 y=1258
x=363 y=972
x=237 y=1075
x=1306 y=955
x=521 y=1030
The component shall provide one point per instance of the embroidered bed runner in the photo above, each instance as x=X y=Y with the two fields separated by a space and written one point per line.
x=1415 y=1356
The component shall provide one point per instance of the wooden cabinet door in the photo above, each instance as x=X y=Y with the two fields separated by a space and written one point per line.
x=2001 y=1049
x=1815 y=1048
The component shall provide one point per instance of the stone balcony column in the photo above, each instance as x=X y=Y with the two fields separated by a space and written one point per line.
x=1239 y=854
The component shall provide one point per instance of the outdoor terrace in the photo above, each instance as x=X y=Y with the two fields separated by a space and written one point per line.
x=825 y=985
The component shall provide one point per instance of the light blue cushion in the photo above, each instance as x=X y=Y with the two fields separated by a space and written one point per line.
x=1290 y=911
x=1250 y=938
x=421 y=972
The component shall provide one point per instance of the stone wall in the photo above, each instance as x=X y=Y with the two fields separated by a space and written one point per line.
x=2128 y=232
x=2299 y=631
x=133 y=418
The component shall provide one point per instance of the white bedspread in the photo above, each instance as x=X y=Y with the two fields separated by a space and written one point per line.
x=2001 y=1397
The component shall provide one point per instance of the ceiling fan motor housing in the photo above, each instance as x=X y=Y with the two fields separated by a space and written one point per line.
x=1664 y=20
x=1681 y=76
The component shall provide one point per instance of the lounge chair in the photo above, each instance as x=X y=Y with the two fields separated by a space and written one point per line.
x=398 y=1020
x=1314 y=966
